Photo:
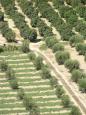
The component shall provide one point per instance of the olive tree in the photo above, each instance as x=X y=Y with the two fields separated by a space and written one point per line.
x=65 y=101
x=77 y=75
x=62 y=56
x=82 y=84
x=71 y=64
x=75 y=111
x=25 y=46
x=38 y=63
x=3 y=65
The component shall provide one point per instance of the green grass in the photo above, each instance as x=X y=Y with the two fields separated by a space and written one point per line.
x=34 y=86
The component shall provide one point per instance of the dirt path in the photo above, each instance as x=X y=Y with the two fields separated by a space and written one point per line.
x=2 y=40
x=71 y=88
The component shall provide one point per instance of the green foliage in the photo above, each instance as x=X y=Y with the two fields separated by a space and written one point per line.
x=65 y=101
x=50 y=41
x=31 y=106
x=38 y=63
x=77 y=75
x=31 y=56
x=62 y=56
x=33 y=36
x=7 y=32
x=1 y=49
x=25 y=46
x=59 y=91
x=72 y=64
x=75 y=111
x=13 y=83
x=82 y=84
x=81 y=48
x=1 y=16
x=10 y=74
x=53 y=82
x=76 y=39
x=58 y=47
x=45 y=73
x=21 y=93
x=3 y=65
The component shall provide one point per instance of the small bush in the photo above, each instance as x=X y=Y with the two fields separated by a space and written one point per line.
x=25 y=46
x=53 y=81
x=62 y=56
x=59 y=91
x=45 y=73
x=50 y=42
x=72 y=64
x=58 y=47
x=10 y=74
x=77 y=75
x=13 y=83
x=38 y=63
x=3 y=65
x=65 y=101
x=82 y=85
x=75 y=111
x=81 y=48
x=21 y=93
x=76 y=39
x=33 y=36
x=32 y=56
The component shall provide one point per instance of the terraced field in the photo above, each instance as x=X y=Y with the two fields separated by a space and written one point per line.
x=30 y=80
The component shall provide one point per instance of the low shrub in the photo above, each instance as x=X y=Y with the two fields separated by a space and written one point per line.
x=71 y=64
x=25 y=46
x=21 y=93
x=62 y=56
x=65 y=101
x=76 y=39
x=45 y=73
x=59 y=91
x=53 y=82
x=32 y=56
x=75 y=111
x=77 y=75
x=81 y=48
x=38 y=63
x=3 y=65
x=82 y=85
x=58 y=47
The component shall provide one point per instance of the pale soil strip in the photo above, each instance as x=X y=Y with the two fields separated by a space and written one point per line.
x=23 y=113
x=36 y=81
x=33 y=78
x=16 y=108
x=22 y=63
x=8 y=98
x=2 y=40
x=48 y=91
x=5 y=93
x=50 y=106
x=18 y=60
x=29 y=72
x=28 y=20
x=51 y=101
x=12 y=25
x=59 y=111
x=45 y=96
x=15 y=55
x=40 y=86
x=25 y=68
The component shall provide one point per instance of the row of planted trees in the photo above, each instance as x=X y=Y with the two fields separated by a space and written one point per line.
x=46 y=74
x=19 y=20
x=63 y=57
x=32 y=13
x=5 y=30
